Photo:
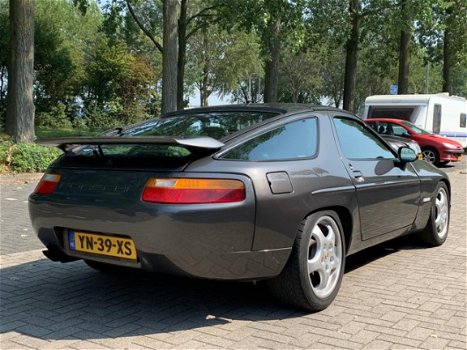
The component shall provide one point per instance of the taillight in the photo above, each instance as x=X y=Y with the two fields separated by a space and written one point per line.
x=193 y=191
x=47 y=184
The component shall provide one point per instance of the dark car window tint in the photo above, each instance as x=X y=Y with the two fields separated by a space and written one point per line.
x=357 y=142
x=291 y=141
x=213 y=124
x=130 y=150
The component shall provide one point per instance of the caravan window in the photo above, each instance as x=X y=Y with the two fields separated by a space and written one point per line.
x=396 y=112
x=437 y=119
x=462 y=123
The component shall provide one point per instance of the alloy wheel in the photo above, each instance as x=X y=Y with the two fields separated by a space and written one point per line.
x=325 y=254
x=441 y=213
x=429 y=156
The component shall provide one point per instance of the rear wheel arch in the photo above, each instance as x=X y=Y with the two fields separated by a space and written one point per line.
x=313 y=274
x=346 y=221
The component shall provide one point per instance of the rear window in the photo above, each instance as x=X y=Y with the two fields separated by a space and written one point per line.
x=136 y=151
x=213 y=124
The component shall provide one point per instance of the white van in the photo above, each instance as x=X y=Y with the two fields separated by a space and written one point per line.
x=437 y=113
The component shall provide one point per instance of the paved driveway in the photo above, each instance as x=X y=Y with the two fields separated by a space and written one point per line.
x=397 y=295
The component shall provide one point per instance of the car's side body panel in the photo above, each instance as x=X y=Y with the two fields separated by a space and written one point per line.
x=429 y=178
x=385 y=192
x=316 y=183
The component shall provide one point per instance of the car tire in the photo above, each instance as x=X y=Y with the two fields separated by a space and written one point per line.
x=430 y=155
x=313 y=274
x=437 y=227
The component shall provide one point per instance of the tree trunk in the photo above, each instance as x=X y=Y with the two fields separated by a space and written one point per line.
x=169 y=55
x=271 y=76
x=20 y=104
x=351 y=57
x=337 y=100
x=182 y=27
x=404 y=51
x=447 y=57
x=204 y=90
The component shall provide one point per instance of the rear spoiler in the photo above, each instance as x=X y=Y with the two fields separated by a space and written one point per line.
x=196 y=144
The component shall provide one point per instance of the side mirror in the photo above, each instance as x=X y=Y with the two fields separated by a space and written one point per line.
x=407 y=154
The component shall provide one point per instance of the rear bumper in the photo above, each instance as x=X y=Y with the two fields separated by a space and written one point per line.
x=210 y=263
x=197 y=241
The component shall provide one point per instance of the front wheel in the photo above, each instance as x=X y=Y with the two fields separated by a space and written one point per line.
x=430 y=155
x=312 y=277
x=437 y=227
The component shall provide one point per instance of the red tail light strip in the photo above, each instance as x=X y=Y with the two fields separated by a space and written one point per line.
x=193 y=191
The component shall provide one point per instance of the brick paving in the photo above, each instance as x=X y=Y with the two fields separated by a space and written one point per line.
x=394 y=296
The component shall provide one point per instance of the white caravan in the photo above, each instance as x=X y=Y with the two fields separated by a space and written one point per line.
x=437 y=113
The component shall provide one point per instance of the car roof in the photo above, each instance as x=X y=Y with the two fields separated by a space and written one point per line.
x=280 y=108
x=394 y=120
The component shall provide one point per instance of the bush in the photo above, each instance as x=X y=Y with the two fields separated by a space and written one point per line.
x=29 y=157
x=96 y=118
x=5 y=147
x=55 y=119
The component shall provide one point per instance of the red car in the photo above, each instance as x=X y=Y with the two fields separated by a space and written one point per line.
x=436 y=149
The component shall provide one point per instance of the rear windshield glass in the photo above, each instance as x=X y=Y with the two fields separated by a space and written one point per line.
x=213 y=124
x=129 y=150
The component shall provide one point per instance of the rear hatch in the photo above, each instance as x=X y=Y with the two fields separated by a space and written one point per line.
x=101 y=185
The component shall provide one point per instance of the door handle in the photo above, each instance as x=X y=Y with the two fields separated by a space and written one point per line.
x=357 y=174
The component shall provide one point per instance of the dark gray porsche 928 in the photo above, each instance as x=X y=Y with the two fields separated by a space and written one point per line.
x=259 y=192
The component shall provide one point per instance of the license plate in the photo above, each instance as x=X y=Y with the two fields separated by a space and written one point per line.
x=102 y=245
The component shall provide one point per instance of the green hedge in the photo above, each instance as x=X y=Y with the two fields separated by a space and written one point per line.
x=26 y=157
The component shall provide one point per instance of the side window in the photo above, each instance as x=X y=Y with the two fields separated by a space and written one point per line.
x=292 y=141
x=399 y=130
x=462 y=121
x=357 y=142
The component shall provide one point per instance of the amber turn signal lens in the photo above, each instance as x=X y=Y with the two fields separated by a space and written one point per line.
x=193 y=191
x=47 y=184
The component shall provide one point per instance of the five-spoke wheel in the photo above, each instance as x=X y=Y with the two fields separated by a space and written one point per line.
x=313 y=274
x=325 y=255
x=436 y=230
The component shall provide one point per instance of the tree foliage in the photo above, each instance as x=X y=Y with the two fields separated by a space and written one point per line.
x=219 y=61
x=99 y=64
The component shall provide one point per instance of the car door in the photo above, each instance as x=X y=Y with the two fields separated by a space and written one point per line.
x=387 y=191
